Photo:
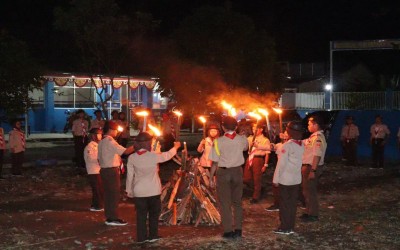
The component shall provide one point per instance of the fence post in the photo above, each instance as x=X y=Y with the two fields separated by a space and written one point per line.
x=328 y=99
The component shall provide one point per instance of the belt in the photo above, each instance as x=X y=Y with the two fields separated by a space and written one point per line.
x=309 y=165
x=227 y=167
x=259 y=156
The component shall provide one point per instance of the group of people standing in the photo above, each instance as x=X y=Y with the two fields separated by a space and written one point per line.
x=236 y=158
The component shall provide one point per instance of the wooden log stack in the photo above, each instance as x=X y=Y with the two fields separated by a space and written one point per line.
x=188 y=199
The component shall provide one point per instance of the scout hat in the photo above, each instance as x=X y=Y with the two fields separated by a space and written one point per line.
x=295 y=130
x=143 y=136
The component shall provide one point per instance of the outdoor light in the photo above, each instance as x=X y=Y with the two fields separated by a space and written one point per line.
x=328 y=87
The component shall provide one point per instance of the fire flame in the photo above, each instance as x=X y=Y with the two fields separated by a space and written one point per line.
x=255 y=115
x=226 y=105
x=263 y=111
x=142 y=113
x=120 y=129
x=279 y=111
x=202 y=119
x=155 y=130
x=178 y=113
x=233 y=112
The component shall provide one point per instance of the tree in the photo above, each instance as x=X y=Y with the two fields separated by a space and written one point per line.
x=229 y=42
x=103 y=36
x=19 y=74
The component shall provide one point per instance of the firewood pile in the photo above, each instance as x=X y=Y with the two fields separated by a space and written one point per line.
x=187 y=198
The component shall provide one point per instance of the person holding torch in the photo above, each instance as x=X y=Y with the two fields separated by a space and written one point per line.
x=206 y=144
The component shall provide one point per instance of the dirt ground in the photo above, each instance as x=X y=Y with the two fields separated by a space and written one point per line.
x=47 y=208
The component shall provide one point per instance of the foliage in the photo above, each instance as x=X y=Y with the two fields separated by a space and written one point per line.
x=19 y=74
x=229 y=42
x=104 y=37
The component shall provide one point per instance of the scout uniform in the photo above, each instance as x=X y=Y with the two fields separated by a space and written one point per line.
x=315 y=145
x=349 y=137
x=93 y=171
x=96 y=123
x=17 y=148
x=2 y=149
x=255 y=163
x=379 y=132
x=205 y=147
x=228 y=154
x=288 y=175
x=144 y=185
x=80 y=130
x=109 y=156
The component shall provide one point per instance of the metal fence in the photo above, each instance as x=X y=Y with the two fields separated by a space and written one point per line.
x=383 y=100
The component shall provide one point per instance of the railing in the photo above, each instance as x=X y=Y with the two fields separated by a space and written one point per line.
x=383 y=100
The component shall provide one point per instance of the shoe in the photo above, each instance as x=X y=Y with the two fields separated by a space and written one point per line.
x=142 y=242
x=302 y=206
x=237 y=233
x=117 y=222
x=96 y=209
x=253 y=201
x=310 y=218
x=272 y=208
x=291 y=231
x=280 y=231
x=228 y=235
x=154 y=239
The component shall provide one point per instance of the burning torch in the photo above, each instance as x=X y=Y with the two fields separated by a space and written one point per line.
x=203 y=120
x=265 y=113
x=144 y=114
x=230 y=109
x=157 y=134
x=279 y=111
x=258 y=117
x=179 y=115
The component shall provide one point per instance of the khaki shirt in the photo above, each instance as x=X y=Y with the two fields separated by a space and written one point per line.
x=142 y=172
x=288 y=168
x=97 y=124
x=262 y=142
x=349 y=132
x=80 y=127
x=229 y=152
x=91 y=158
x=379 y=131
x=205 y=149
x=315 y=145
x=110 y=152
x=16 y=141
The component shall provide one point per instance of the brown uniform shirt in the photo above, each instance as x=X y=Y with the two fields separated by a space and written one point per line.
x=228 y=152
x=315 y=145
x=379 y=131
x=16 y=141
x=349 y=132
x=80 y=127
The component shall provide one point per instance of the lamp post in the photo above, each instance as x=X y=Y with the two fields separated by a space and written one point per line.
x=329 y=88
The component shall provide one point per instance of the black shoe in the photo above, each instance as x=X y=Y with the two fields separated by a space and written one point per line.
x=272 y=208
x=154 y=239
x=304 y=216
x=310 y=218
x=253 y=201
x=237 y=233
x=228 y=235
x=117 y=222
x=283 y=232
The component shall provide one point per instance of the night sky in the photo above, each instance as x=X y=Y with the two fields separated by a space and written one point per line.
x=301 y=29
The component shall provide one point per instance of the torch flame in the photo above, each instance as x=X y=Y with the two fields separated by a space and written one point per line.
x=155 y=130
x=142 y=113
x=233 y=112
x=263 y=111
x=120 y=129
x=226 y=105
x=279 y=111
x=255 y=115
x=202 y=119
x=178 y=113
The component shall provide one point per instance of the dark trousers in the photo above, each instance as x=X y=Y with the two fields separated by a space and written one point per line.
x=350 y=151
x=147 y=206
x=1 y=161
x=276 y=195
x=97 y=190
x=230 y=192
x=253 y=174
x=288 y=206
x=378 y=150
x=80 y=143
x=123 y=142
x=310 y=189
x=111 y=184
x=17 y=159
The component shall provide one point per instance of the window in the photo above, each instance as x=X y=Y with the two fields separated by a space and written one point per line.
x=71 y=96
x=37 y=97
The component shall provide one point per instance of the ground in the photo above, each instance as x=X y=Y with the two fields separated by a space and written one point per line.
x=47 y=208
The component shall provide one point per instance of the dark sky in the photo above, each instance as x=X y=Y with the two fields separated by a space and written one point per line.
x=302 y=29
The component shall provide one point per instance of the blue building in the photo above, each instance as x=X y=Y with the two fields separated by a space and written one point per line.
x=64 y=93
